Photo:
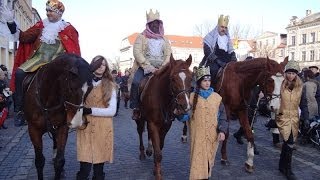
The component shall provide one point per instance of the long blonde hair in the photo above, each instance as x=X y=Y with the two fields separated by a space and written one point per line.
x=107 y=81
x=295 y=83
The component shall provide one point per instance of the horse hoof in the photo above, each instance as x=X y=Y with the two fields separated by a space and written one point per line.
x=142 y=157
x=149 y=152
x=248 y=168
x=184 y=139
x=225 y=162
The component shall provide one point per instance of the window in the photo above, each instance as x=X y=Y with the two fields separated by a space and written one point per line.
x=260 y=44
x=304 y=38
x=281 y=53
x=312 y=55
x=313 y=37
x=303 y=56
x=273 y=42
x=292 y=56
x=267 y=43
x=293 y=40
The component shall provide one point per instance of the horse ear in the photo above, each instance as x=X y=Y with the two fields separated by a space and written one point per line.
x=284 y=63
x=189 y=60
x=172 y=60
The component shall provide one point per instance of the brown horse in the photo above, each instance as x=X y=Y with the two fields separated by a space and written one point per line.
x=52 y=103
x=235 y=85
x=165 y=95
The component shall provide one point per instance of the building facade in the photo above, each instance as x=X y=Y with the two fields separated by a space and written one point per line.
x=272 y=45
x=25 y=17
x=182 y=47
x=304 y=39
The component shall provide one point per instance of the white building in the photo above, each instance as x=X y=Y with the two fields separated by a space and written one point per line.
x=181 y=47
x=25 y=16
x=244 y=48
x=271 y=44
x=304 y=39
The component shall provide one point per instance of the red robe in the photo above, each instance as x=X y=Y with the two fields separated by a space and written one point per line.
x=29 y=42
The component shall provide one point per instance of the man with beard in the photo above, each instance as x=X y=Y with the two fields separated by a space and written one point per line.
x=218 y=48
x=38 y=45
x=151 y=51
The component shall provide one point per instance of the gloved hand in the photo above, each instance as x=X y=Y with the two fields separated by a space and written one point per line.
x=6 y=14
x=149 y=69
x=87 y=111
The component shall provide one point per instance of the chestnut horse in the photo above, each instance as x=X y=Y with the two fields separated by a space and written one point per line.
x=53 y=103
x=235 y=85
x=164 y=95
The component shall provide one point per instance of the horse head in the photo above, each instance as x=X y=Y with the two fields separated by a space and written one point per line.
x=274 y=101
x=180 y=84
x=73 y=84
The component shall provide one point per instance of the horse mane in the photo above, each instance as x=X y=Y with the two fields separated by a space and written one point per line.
x=73 y=63
x=250 y=65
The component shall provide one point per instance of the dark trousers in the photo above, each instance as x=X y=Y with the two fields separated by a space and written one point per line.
x=85 y=169
x=18 y=95
x=134 y=94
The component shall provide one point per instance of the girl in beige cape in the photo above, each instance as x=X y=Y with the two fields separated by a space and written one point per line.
x=95 y=142
x=208 y=125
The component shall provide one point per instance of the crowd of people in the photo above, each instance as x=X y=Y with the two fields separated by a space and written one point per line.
x=52 y=36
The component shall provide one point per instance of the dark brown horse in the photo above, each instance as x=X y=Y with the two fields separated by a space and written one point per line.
x=235 y=85
x=165 y=95
x=52 y=103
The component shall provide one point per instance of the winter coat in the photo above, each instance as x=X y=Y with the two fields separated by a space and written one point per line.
x=288 y=117
x=95 y=142
x=204 y=129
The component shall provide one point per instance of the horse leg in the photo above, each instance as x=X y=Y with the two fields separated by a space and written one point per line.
x=224 y=158
x=54 y=149
x=155 y=137
x=140 y=128
x=184 y=133
x=244 y=121
x=36 y=139
x=61 y=138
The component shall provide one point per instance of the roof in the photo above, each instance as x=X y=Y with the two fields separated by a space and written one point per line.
x=311 y=18
x=177 y=41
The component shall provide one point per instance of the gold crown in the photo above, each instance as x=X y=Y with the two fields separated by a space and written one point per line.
x=56 y=6
x=223 y=20
x=152 y=16
x=202 y=71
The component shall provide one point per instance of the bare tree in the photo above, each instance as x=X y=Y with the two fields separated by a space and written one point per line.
x=237 y=31
x=203 y=29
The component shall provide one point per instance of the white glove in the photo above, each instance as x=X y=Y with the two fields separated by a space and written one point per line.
x=149 y=69
x=6 y=14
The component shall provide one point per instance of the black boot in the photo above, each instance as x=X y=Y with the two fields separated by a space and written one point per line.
x=282 y=161
x=98 y=173
x=290 y=175
x=84 y=172
x=238 y=135
x=255 y=150
x=4 y=127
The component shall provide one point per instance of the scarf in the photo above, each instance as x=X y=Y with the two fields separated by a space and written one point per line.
x=96 y=79
x=206 y=93
x=212 y=37
x=151 y=35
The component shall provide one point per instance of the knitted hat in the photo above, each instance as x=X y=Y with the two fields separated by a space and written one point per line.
x=292 y=66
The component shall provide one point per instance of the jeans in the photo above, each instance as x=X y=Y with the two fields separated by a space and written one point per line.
x=134 y=95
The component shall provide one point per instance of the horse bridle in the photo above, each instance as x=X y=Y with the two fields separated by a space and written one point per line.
x=176 y=95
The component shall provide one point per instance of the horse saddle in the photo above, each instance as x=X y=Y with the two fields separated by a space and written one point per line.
x=27 y=80
x=143 y=84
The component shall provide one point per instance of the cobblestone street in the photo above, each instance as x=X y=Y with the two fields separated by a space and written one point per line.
x=17 y=156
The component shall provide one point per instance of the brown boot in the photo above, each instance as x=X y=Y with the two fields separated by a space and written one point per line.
x=136 y=115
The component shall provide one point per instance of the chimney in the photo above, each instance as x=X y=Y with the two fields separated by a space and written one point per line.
x=308 y=12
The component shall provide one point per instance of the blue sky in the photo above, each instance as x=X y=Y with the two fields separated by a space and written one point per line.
x=102 y=24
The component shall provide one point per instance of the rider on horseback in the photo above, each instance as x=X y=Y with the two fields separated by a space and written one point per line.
x=218 y=48
x=151 y=51
x=38 y=45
